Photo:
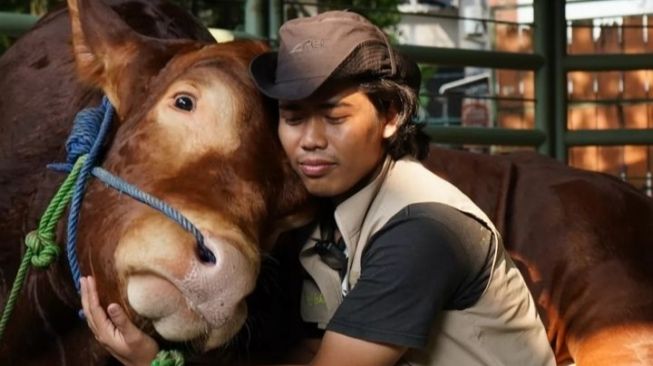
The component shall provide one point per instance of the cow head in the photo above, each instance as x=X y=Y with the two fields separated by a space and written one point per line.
x=193 y=131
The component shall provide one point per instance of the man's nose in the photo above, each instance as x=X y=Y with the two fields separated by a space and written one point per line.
x=314 y=136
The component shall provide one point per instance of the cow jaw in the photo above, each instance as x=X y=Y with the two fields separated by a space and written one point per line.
x=184 y=298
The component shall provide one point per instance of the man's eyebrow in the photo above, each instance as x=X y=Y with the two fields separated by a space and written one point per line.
x=329 y=104
x=325 y=105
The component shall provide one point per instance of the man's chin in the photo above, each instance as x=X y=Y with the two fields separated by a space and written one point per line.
x=320 y=188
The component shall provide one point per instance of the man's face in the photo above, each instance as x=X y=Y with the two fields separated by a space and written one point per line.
x=333 y=139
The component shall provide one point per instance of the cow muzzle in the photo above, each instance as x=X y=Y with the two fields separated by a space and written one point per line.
x=185 y=298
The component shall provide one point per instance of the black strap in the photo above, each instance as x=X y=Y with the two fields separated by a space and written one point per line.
x=331 y=251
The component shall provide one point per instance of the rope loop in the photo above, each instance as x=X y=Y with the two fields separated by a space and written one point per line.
x=101 y=118
x=86 y=127
x=168 y=358
x=43 y=247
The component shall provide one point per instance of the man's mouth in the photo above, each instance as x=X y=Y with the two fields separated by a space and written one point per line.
x=315 y=168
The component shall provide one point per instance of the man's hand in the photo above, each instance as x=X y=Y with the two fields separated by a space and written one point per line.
x=116 y=332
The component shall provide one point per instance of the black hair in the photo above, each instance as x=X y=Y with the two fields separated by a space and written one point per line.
x=410 y=139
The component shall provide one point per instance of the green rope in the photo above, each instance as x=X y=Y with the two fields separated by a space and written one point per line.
x=168 y=358
x=42 y=250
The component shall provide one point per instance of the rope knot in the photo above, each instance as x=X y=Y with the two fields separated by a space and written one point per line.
x=168 y=358
x=86 y=128
x=43 y=247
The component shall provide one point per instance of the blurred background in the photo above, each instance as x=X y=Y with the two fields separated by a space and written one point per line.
x=569 y=79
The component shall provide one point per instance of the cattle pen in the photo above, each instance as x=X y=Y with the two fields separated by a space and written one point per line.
x=507 y=74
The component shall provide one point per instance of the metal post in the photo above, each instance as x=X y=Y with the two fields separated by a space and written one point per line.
x=484 y=136
x=550 y=81
x=254 y=18
x=544 y=75
x=14 y=25
x=275 y=18
x=610 y=137
x=640 y=61
x=458 y=56
x=559 y=19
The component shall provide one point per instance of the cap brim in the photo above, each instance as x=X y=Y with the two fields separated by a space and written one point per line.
x=263 y=70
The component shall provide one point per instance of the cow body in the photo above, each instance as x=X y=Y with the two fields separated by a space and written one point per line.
x=583 y=242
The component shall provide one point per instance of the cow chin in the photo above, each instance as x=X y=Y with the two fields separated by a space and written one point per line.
x=177 y=319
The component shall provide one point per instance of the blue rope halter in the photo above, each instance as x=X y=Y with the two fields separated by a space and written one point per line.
x=89 y=130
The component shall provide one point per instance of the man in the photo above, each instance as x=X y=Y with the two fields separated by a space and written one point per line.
x=403 y=269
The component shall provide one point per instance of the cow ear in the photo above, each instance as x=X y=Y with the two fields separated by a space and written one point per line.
x=111 y=55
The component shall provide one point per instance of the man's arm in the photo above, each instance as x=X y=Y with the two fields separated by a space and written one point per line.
x=339 y=349
x=342 y=350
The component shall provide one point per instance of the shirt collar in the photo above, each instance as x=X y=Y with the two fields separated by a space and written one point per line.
x=350 y=213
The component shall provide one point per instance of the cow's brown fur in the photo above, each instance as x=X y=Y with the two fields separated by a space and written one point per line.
x=225 y=175
x=583 y=242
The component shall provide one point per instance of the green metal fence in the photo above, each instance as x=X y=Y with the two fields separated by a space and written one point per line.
x=549 y=62
x=13 y=25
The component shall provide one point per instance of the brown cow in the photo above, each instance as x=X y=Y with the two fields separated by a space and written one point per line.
x=218 y=162
x=584 y=243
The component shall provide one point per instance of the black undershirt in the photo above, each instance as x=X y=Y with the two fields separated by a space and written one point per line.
x=429 y=257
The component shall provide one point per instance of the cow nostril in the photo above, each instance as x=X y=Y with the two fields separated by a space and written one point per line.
x=206 y=255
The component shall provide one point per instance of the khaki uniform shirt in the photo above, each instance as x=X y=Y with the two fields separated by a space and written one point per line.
x=501 y=328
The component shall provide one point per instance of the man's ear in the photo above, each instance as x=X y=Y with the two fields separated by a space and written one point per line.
x=391 y=119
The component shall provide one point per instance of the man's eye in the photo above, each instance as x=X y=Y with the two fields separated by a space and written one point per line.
x=293 y=120
x=335 y=119
x=185 y=102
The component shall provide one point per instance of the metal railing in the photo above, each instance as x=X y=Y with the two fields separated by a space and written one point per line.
x=13 y=24
x=549 y=62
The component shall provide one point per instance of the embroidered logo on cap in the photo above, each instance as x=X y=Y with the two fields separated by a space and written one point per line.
x=307 y=45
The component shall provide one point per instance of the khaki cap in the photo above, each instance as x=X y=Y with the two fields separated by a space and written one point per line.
x=330 y=44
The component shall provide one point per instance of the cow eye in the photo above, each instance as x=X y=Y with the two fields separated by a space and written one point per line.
x=185 y=102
